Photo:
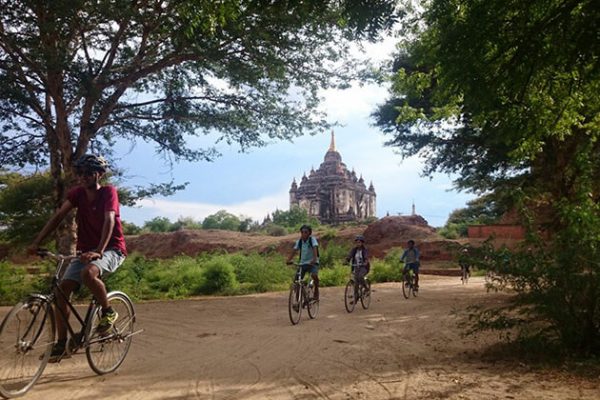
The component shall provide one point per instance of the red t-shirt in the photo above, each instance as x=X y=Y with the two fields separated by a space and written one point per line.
x=90 y=218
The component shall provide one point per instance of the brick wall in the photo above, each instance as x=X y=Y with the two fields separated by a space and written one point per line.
x=499 y=231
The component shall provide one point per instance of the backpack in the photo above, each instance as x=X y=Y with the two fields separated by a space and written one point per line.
x=310 y=245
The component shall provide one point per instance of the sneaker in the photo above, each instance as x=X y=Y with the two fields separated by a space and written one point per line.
x=107 y=321
x=73 y=342
x=59 y=352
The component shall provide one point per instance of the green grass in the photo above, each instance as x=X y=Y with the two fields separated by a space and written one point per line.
x=207 y=274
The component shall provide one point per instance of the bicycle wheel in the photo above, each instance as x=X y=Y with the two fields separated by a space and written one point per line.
x=312 y=304
x=106 y=351
x=406 y=285
x=365 y=299
x=26 y=340
x=465 y=276
x=349 y=300
x=295 y=303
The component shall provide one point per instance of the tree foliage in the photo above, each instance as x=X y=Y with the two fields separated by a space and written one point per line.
x=293 y=218
x=81 y=75
x=25 y=206
x=505 y=94
x=222 y=220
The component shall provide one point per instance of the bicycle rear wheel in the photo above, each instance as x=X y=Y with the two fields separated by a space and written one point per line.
x=365 y=299
x=312 y=304
x=26 y=340
x=349 y=298
x=106 y=351
x=295 y=303
x=465 y=276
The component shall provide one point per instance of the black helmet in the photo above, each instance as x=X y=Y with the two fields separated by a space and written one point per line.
x=359 y=237
x=307 y=227
x=91 y=162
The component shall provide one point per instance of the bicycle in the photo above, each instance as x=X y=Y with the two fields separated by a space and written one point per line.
x=27 y=334
x=355 y=291
x=464 y=274
x=408 y=283
x=302 y=296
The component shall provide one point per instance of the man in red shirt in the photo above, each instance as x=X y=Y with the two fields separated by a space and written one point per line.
x=99 y=239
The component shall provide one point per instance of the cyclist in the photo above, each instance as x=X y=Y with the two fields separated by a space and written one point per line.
x=99 y=239
x=411 y=259
x=359 y=259
x=463 y=261
x=308 y=247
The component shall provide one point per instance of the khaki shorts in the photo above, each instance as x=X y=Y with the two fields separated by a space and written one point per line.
x=110 y=261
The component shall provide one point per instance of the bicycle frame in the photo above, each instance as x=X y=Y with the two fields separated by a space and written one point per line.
x=55 y=290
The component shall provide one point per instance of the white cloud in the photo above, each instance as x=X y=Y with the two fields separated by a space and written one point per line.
x=256 y=209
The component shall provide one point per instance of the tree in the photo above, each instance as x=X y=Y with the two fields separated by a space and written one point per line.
x=222 y=220
x=83 y=75
x=158 y=224
x=25 y=206
x=505 y=94
x=292 y=218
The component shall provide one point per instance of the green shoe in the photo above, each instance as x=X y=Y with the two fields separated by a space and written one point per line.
x=107 y=321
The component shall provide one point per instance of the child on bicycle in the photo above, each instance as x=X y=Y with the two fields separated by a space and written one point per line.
x=100 y=241
x=411 y=257
x=308 y=247
x=463 y=261
x=359 y=260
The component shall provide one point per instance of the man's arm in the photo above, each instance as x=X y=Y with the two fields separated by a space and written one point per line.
x=51 y=225
x=315 y=256
x=107 y=228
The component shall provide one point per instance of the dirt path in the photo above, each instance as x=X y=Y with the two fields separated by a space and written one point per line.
x=246 y=348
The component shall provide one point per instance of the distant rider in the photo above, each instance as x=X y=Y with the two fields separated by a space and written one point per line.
x=308 y=247
x=411 y=259
x=359 y=260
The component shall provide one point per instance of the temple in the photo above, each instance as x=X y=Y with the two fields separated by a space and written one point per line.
x=333 y=194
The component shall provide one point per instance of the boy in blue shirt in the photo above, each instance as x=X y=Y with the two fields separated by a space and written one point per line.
x=411 y=261
x=309 y=255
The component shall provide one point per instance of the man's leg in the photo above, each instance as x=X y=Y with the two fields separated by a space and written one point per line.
x=315 y=278
x=91 y=278
x=67 y=286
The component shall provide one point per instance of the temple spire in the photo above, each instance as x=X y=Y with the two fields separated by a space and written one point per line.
x=332 y=145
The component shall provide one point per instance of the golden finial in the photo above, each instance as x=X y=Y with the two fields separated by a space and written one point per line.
x=332 y=145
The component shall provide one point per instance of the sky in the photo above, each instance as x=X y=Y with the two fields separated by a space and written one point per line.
x=255 y=183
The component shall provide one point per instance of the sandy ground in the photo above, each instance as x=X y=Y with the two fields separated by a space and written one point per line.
x=246 y=348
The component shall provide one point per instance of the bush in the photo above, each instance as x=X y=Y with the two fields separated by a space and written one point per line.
x=261 y=273
x=14 y=284
x=218 y=277
x=335 y=276
x=332 y=253
x=382 y=271
x=276 y=230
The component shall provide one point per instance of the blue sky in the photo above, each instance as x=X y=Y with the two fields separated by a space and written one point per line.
x=256 y=183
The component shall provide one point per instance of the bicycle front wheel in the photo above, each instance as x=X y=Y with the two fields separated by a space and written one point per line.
x=349 y=297
x=106 y=351
x=365 y=299
x=406 y=285
x=295 y=303
x=26 y=340
x=465 y=276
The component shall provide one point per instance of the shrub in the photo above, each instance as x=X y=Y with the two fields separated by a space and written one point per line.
x=261 y=273
x=335 y=276
x=382 y=271
x=332 y=253
x=14 y=284
x=218 y=277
